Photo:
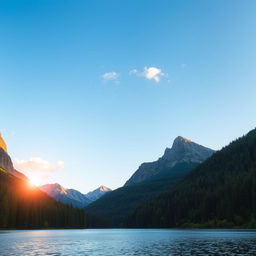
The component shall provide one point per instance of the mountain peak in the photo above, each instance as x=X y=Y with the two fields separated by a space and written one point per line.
x=55 y=188
x=186 y=150
x=182 y=139
x=66 y=196
x=2 y=143
x=104 y=188
x=97 y=193
x=182 y=142
x=182 y=151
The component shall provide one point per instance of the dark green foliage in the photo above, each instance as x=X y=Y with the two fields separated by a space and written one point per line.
x=116 y=205
x=22 y=207
x=221 y=192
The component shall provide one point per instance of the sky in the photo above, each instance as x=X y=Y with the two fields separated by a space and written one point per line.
x=91 y=89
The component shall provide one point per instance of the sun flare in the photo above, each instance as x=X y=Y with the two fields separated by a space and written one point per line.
x=35 y=181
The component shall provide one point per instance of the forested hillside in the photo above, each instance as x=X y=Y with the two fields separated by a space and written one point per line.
x=221 y=192
x=24 y=206
x=149 y=180
x=115 y=206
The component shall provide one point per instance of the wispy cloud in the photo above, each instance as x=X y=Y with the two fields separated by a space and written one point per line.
x=36 y=168
x=134 y=72
x=151 y=73
x=110 y=75
x=37 y=164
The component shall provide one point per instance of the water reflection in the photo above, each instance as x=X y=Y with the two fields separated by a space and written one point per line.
x=128 y=242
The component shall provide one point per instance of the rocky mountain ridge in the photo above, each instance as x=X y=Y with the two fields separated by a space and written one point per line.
x=182 y=151
x=72 y=196
x=6 y=161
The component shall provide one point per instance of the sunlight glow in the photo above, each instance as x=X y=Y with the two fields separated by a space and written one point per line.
x=35 y=181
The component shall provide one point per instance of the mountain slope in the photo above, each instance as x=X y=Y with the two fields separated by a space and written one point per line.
x=116 y=205
x=97 y=193
x=67 y=196
x=6 y=162
x=182 y=151
x=3 y=144
x=221 y=192
x=23 y=206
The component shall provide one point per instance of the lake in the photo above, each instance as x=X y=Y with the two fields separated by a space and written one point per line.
x=118 y=242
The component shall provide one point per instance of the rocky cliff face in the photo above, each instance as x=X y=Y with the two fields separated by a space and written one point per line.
x=2 y=143
x=6 y=161
x=182 y=151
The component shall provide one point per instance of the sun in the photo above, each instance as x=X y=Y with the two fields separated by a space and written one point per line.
x=35 y=181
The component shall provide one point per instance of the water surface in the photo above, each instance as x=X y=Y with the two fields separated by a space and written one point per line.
x=117 y=242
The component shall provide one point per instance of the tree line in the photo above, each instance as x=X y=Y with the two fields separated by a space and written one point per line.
x=23 y=206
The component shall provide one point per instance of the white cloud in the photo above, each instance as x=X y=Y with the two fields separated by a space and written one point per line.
x=151 y=73
x=37 y=169
x=37 y=164
x=110 y=76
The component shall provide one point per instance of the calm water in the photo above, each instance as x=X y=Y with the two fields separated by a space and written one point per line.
x=118 y=242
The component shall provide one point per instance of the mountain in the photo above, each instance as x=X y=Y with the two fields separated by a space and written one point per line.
x=72 y=196
x=24 y=206
x=56 y=191
x=182 y=151
x=6 y=162
x=162 y=174
x=220 y=192
x=3 y=144
x=97 y=193
x=67 y=196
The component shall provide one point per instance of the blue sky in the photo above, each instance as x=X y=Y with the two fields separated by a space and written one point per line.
x=80 y=104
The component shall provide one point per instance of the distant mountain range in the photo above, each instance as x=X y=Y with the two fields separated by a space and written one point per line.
x=72 y=196
x=149 y=180
x=67 y=196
